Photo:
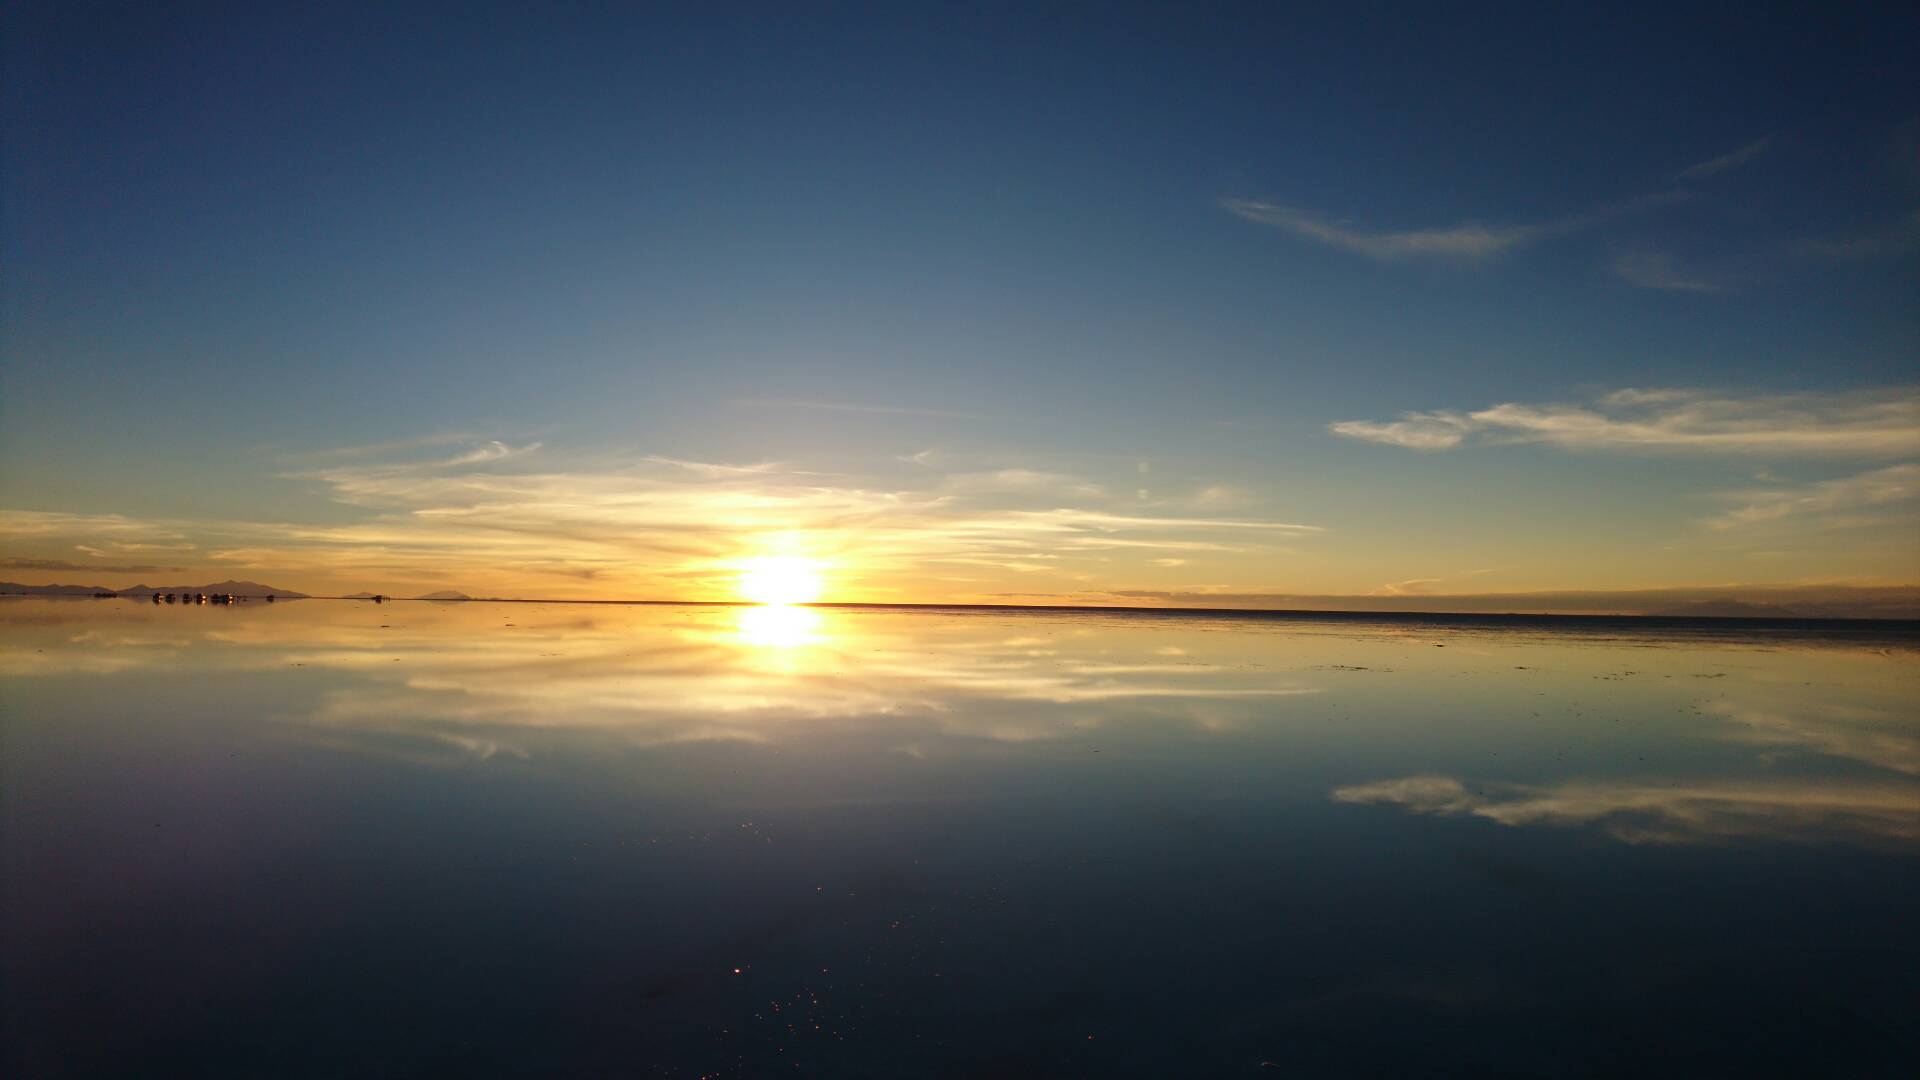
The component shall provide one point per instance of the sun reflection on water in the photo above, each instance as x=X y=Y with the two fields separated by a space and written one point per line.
x=779 y=626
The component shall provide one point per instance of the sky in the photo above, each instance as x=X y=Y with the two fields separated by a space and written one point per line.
x=1208 y=305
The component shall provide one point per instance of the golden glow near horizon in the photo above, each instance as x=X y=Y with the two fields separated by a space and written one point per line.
x=780 y=579
x=532 y=522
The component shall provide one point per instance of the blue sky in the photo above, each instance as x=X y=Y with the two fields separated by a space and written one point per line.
x=239 y=242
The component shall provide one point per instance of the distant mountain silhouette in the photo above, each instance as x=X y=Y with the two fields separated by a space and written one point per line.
x=445 y=594
x=237 y=588
x=1729 y=609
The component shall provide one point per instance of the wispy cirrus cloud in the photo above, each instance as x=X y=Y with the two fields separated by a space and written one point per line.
x=1466 y=242
x=1476 y=241
x=1839 y=501
x=1727 y=162
x=21 y=563
x=1409 y=587
x=1413 y=430
x=37 y=524
x=1866 y=423
x=714 y=469
x=493 y=450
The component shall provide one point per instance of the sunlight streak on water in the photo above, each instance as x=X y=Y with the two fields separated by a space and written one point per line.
x=779 y=626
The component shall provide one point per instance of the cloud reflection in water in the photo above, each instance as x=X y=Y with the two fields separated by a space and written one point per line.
x=1668 y=813
x=1760 y=738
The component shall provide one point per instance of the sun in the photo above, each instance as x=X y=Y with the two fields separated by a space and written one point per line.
x=780 y=579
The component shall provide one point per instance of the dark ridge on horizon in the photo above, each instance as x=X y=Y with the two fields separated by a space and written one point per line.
x=1486 y=618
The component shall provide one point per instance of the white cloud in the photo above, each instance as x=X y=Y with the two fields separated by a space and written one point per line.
x=1869 y=423
x=1409 y=587
x=1726 y=162
x=1414 y=430
x=1877 y=488
x=494 y=450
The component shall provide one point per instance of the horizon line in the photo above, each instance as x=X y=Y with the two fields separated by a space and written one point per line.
x=1909 y=622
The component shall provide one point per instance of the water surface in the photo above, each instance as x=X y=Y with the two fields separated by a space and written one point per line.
x=330 y=838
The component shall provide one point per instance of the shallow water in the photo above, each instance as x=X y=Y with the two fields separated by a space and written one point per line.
x=335 y=838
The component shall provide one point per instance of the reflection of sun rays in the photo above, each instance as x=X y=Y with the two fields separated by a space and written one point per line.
x=780 y=579
x=779 y=626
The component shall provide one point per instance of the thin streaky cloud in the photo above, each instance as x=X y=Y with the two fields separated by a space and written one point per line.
x=1866 y=423
x=1118 y=522
x=64 y=565
x=1414 y=430
x=1464 y=242
x=35 y=524
x=1467 y=241
x=711 y=468
x=1409 y=587
x=371 y=450
x=493 y=450
x=1726 y=162
x=1837 y=501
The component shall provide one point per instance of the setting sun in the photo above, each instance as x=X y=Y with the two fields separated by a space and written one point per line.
x=780 y=579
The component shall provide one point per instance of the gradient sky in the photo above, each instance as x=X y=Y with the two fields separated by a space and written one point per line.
x=967 y=303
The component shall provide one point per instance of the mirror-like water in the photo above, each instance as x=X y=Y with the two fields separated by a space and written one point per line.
x=325 y=838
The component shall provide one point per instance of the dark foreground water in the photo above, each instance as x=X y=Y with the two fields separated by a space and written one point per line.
x=339 y=839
